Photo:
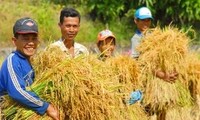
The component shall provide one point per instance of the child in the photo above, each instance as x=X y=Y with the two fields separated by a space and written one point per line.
x=143 y=18
x=106 y=43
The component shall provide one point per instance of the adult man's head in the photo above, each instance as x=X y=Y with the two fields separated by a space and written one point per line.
x=143 y=18
x=69 y=23
x=25 y=38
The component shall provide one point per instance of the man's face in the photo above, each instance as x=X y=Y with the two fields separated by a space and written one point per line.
x=69 y=28
x=107 y=46
x=143 y=24
x=26 y=44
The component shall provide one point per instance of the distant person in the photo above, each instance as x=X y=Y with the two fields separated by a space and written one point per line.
x=142 y=19
x=69 y=25
x=106 y=43
x=17 y=73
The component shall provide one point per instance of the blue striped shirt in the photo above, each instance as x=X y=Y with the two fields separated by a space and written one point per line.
x=15 y=75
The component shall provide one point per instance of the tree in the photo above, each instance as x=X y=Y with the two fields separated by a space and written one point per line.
x=181 y=12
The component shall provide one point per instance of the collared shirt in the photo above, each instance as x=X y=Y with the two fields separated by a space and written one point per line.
x=16 y=74
x=135 y=41
x=78 y=48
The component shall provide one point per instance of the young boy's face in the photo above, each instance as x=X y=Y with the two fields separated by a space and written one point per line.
x=107 y=46
x=26 y=44
x=143 y=24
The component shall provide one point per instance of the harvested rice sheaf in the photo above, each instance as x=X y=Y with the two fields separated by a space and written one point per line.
x=181 y=113
x=83 y=88
x=164 y=49
x=45 y=60
x=193 y=71
x=127 y=71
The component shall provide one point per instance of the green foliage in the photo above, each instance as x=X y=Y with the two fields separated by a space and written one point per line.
x=96 y=14
x=47 y=18
x=89 y=30
x=64 y=2
x=105 y=10
x=180 y=12
x=45 y=14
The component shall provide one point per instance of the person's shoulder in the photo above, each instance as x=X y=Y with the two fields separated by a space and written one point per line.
x=137 y=35
x=16 y=57
x=56 y=43
x=78 y=45
x=81 y=48
x=12 y=58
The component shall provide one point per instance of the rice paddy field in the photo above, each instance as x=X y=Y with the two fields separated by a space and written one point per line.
x=86 y=88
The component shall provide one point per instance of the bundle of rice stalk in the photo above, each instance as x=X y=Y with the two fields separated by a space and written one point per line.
x=180 y=113
x=127 y=71
x=164 y=49
x=14 y=111
x=193 y=70
x=47 y=59
x=94 y=94
x=81 y=88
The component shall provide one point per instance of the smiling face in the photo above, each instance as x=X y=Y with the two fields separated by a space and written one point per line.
x=107 y=46
x=26 y=44
x=143 y=24
x=69 y=28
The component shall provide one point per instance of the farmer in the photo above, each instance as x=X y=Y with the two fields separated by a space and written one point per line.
x=69 y=25
x=17 y=73
x=143 y=19
x=106 y=44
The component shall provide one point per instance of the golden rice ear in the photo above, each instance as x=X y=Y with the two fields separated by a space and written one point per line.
x=165 y=49
x=96 y=89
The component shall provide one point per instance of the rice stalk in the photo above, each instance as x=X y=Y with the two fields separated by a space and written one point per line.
x=164 y=49
x=193 y=70
x=85 y=88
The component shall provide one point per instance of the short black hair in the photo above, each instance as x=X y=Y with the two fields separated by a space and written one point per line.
x=16 y=35
x=69 y=12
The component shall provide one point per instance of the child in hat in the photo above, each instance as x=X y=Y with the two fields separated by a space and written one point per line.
x=143 y=18
x=106 y=43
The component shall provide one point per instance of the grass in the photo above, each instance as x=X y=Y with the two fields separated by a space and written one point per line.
x=47 y=16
